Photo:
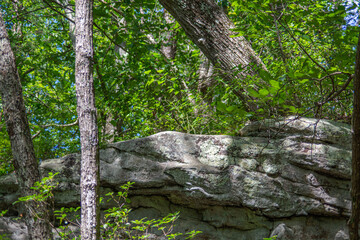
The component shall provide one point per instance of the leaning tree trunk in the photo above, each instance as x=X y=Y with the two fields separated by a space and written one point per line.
x=25 y=163
x=89 y=181
x=208 y=26
x=355 y=178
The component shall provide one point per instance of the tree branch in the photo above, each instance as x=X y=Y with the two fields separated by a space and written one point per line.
x=333 y=95
x=54 y=125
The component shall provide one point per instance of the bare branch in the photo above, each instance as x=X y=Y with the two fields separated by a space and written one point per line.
x=50 y=6
x=54 y=125
x=60 y=125
x=36 y=134
x=25 y=13
x=329 y=75
x=332 y=96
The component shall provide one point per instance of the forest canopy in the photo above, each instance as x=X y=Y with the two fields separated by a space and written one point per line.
x=150 y=76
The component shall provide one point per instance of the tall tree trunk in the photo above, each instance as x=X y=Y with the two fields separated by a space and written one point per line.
x=207 y=25
x=355 y=178
x=85 y=93
x=25 y=163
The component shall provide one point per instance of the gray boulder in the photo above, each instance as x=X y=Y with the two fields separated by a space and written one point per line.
x=290 y=178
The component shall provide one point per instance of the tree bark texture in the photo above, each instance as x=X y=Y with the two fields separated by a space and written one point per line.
x=355 y=178
x=208 y=26
x=86 y=110
x=24 y=160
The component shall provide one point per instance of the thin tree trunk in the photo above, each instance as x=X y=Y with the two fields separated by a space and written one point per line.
x=355 y=178
x=25 y=163
x=89 y=181
x=206 y=79
x=69 y=14
x=207 y=25
x=168 y=47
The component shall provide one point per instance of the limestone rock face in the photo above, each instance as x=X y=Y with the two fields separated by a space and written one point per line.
x=289 y=178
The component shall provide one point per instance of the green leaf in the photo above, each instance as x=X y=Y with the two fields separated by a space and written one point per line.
x=241 y=113
x=263 y=92
x=291 y=108
x=221 y=106
x=275 y=84
x=150 y=82
x=265 y=75
x=231 y=108
x=253 y=93
x=273 y=90
x=299 y=75
x=303 y=81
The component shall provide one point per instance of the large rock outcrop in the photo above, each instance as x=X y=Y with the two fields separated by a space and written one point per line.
x=289 y=178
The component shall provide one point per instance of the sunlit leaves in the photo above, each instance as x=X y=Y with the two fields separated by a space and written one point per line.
x=301 y=43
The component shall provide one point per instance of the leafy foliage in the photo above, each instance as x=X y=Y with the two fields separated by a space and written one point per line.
x=116 y=223
x=44 y=194
x=44 y=190
x=308 y=50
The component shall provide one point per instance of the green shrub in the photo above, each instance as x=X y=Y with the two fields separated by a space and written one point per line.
x=116 y=223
